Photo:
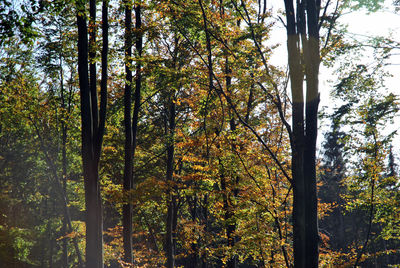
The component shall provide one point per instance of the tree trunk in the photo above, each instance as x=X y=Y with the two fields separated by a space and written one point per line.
x=228 y=217
x=128 y=166
x=51 y=246
x=312 y=101
x=138 y=77
x=170 y=243
x=94 y=238
x=228 y=208
x=172 y=208
x=64 y=178
x=194 y=257
x=64 y=168
x=296 y=78
x=312 y=60
x=204 y=208
x=92 y=133
x=303 y=36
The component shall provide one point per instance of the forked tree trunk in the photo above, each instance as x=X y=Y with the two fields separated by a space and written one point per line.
x=93 y=122
x=131 y=122
x=303 y=58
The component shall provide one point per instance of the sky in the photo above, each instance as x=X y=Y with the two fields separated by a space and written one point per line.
x=361 y=24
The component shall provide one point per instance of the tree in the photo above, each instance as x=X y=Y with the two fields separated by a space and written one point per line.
x=199 y=166
x=302 y=26
x=366 y=107
x=131 y=127
x=128 y=165
x=93 y=123
x=332 y=189
x=45 y=106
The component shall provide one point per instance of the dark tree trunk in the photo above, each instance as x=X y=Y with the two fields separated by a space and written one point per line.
x=51 y=247
x=228 y=217
x=131 y=122
x=210 y=88
x=172 y=207
x=92 y=133
x=138 y=77
x=64 y=168
x=170 y=240
x=303 y=37
x=49 y=236
x=296 y=77
x=128 y=166
x=228 y=208
x=104 y=76
x=64 y=178
x=312 y=59
x=194 y=257
x=204 y=208
x=229 y=212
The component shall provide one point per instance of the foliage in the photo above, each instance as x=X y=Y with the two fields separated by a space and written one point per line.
x=207 y=65
x=366 y=189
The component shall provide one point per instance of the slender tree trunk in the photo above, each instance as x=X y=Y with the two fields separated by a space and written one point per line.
x=128 y=167
x=296 y=78
x=194 y=257
x=210 y=88
x=43 y=240
x=51 y=246
x=249 y=104
x=204 y=208
x=228 y=216
x=64 y=167
x=230 y=224
x=172 y=208
x=312 y=59
x=170 y=250
x=138 y=77
x=104 y=77
x=131 y=122
x=42 y=252
x=64 y=178
x=50 y=242
x=64 y=245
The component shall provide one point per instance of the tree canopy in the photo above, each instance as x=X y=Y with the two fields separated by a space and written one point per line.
x=165 y=134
